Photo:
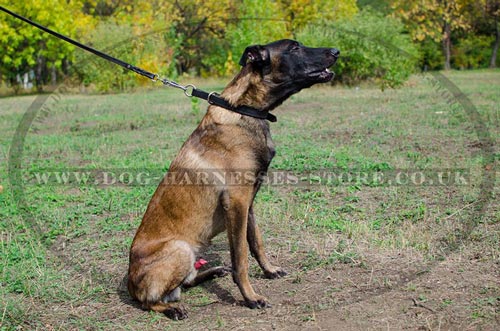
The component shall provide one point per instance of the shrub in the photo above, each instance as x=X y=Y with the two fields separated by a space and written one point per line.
x=259 y=23
x=372 y=47
x=473 y=52
x=431 y=55
x=101 y=74
x=146 y=51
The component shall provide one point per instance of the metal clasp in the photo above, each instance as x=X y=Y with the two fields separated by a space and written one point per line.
x=210 y=95
x=188 y=90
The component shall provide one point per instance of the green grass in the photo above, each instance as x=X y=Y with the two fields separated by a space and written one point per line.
x=80 y=255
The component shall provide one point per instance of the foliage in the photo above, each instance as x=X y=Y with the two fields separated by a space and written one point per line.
x=473 y=52
x=434 y=19
x=300 y=13
x=24 y=48
x=258 y=22
x=371 y=47
x=200 y=27
x=446 y=21
x=118 y=41
x=381 y=6
x=431 y=57
x=485 y=18
x=426 y=18
x=206 y=38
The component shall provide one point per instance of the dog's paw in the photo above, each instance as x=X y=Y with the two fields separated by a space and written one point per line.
x=275 y=273
x=222 y=272
x=176 y=313
x=259 y=303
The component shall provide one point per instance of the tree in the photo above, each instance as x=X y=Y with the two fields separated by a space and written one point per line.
x=434 y=19
x=380 y=6
x=190 y=32
x=24 y=48
x=255 y=22
x=300 y=13
x=493 y=11
x=372 y=46
x=484 y=17
x=200 y=27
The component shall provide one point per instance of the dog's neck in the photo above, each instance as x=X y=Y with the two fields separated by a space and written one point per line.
x=245 y=89
x=249 y=88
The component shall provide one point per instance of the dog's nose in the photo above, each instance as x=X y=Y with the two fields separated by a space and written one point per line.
x=335 y=52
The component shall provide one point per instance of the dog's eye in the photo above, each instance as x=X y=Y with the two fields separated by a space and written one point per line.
x=296 y=47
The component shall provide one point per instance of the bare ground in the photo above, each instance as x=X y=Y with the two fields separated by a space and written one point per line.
x=383 y=289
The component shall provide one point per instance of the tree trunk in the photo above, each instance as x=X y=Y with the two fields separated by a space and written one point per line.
x=40 y=62
x=493 y=60
x=447 y=45
x=53 y=72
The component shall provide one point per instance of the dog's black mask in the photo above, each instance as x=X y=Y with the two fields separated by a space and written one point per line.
x=295 y=61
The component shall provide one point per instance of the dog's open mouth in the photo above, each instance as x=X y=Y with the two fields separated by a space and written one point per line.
x=323 y=76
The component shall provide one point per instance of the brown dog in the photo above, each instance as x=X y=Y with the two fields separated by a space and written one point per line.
x=192 y=204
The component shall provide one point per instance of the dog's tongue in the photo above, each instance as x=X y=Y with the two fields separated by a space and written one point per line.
x=200 y=263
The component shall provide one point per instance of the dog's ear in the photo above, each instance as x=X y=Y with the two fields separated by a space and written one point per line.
x=255 y=54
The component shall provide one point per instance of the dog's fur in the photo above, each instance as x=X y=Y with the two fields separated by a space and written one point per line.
x=181 y=217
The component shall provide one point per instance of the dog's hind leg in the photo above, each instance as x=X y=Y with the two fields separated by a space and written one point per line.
x=256 y=245
x=168 y=305
x=215 y=272
x=157 y=279
x=171 y=310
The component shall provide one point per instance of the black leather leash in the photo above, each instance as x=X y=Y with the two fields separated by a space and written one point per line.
x=189 y=90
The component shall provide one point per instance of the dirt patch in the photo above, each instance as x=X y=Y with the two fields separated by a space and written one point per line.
x=382 y=290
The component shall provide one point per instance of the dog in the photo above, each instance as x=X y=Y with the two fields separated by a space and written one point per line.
x=183 y=216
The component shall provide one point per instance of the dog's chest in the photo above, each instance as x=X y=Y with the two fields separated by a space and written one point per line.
x=269 y=151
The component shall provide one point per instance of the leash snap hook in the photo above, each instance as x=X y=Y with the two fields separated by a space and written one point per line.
x=155 y=78
x=188 y=90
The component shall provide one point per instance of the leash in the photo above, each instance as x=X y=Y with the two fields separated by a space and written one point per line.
x=190 y=90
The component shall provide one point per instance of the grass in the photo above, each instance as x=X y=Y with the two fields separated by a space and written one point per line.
x=66 y=276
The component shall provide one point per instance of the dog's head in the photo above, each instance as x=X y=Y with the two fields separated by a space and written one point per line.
x=286 y=66
x=286 y=60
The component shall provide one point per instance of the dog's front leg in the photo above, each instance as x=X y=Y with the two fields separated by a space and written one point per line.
x=236 y=223
x=256 y=244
